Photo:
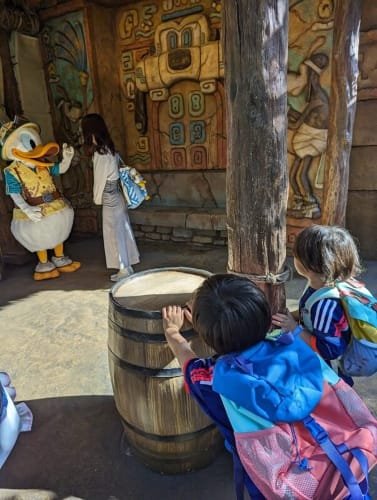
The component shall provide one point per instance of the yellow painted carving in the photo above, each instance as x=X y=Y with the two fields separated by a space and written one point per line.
x=142 y=144
x=168 y=5
x=183 y=52
x=127 y=24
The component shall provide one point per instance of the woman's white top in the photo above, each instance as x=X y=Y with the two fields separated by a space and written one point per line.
x=105 y=168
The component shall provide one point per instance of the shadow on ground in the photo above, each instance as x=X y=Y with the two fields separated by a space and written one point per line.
x=75 y=449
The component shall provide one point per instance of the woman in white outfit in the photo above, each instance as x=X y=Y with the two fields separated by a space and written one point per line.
x=120 y=247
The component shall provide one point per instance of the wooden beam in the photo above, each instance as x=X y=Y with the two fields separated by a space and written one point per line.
x=343 y=95
x=255 y=53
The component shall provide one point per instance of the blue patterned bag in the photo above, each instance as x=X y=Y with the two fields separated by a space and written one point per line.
x=133 y=185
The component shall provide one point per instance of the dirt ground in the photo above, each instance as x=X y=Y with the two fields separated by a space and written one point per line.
x=53 y=339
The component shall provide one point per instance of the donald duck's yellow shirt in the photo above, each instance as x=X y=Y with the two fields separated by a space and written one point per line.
x=32 y=183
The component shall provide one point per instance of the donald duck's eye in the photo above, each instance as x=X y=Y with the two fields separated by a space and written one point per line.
x=27 y=141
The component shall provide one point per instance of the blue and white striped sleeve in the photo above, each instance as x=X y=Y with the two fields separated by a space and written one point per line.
x=330 y=327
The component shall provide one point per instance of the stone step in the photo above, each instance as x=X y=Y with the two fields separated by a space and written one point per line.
x=204 y=219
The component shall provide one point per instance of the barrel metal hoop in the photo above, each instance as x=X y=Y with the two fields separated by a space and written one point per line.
x=176 y=438
x=146 y=338
x=143 y=370
x=134 y=313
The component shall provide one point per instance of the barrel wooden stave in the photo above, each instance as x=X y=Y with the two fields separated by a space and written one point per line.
x=164 y=425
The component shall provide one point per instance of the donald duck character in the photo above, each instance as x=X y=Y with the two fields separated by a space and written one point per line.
x=42 y=218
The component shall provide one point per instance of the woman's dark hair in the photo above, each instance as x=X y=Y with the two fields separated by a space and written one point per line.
x=94 y=125
x=230 y=313
x=329 y=251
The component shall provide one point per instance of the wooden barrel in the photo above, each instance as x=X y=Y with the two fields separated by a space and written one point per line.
x=163 y=424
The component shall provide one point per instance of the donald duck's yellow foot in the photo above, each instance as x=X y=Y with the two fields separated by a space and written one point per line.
x=45 y=271
x=65 y=264
x=46 y=276
x=70 y=268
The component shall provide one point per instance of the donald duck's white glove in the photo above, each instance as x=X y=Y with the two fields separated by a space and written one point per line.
x=34 y=213
x=68 y=153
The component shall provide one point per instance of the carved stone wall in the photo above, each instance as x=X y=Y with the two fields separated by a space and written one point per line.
x=82 y=77
x=311 y=26
x=70 y=83
x=171 y=76
x=154 y=69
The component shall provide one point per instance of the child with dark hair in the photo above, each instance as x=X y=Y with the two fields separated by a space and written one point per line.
x=120 y=247
x=288 y=419
x=230 y=314
x=323 y=255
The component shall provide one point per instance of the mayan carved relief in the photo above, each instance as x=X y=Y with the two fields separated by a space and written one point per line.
x=71 y=94
x=309 y=76
x=171 y=76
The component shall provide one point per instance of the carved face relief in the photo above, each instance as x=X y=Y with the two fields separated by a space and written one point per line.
x=183 y=52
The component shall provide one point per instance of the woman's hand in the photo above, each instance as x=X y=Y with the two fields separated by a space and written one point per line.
x=284 y=321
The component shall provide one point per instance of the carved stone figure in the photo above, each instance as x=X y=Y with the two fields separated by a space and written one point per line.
x=309 y=140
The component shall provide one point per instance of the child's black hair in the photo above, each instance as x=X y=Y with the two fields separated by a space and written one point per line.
x=329 y=251
x=230 y=313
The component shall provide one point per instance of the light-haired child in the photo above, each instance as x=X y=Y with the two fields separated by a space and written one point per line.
x=323 y=255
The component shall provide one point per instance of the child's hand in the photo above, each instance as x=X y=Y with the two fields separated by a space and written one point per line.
x=172 y=318
x=187 y=311
x=284 y=321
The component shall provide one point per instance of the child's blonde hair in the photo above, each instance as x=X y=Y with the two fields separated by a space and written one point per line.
x=329 y=251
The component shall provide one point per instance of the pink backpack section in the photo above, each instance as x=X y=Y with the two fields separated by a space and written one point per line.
x=267 y=454
x=301 y=433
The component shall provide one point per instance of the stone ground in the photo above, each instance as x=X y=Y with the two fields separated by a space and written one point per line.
x=53 y=341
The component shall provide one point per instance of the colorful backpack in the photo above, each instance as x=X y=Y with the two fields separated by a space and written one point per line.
x=300 y=431
x=133 y=185
x=360 y=307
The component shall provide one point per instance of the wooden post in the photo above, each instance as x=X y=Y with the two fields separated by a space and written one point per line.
x=342 y=109
x=255 y=53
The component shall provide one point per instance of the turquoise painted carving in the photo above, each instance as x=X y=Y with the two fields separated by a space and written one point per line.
x=177 y=134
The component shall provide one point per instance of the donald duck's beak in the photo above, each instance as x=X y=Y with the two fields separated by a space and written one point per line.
x=38 y=155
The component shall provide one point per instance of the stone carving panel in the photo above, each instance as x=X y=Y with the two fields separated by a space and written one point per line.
x=309 y=78
x=71 y=94
x=171 y=71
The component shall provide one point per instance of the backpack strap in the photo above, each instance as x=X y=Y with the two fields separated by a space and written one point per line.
x=321 y=293
x=362 y=294
x=358 y=491
x=240 y=477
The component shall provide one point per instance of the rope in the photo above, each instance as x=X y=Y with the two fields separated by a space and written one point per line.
x=270 y=278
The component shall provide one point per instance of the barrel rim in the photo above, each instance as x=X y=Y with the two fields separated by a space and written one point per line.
x=140 y=313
